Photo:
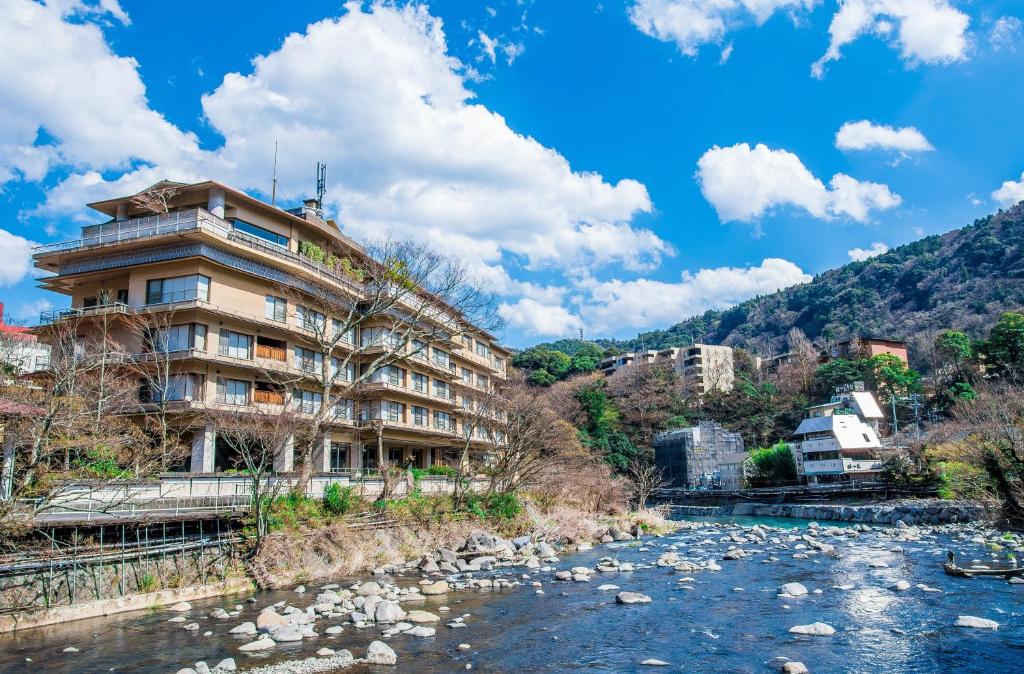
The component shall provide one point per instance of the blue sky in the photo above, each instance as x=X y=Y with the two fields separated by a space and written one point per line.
x=606 y=166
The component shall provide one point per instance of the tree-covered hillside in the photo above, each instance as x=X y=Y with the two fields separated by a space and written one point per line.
x=963 y=279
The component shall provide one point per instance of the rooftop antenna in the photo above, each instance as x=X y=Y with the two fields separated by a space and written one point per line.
x=321 y=184
x=273 y=183
x=581 y=334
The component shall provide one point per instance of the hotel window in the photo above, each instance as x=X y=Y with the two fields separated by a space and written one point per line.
x=309 y=319
x=308 y=360
x=389 y=374
x=306 y=401
x=259 y=232
x=467 y=341
x=441 y=389
x=420 y=415
x=177 y=387
x=339 y=456
x=467 y=376
x=378 y=336
x=337 y=327
x=343 y=409
x=482 y=382
x=276 y=309
x=235 y=344
x=483 y=350
x=443 y=421
x=419 y=349
x=177 y=289
x=232 y=391
x=395 y=455
x=340 y=373
x=178 y=338
x=391 y=411
x=419 y=382
x=442 y=358
x=499 y=364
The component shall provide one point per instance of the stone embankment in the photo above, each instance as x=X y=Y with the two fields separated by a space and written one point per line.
x=909 y=512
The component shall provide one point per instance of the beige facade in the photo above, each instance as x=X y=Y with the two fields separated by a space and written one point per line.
x=224 y=275
x=702 y=367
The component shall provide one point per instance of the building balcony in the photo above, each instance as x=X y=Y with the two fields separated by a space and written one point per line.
x=841 y=466
x=383 y=386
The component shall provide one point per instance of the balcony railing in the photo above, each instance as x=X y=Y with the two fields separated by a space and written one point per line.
x=48 y=317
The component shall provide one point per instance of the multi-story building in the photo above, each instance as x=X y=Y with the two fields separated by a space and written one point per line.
x=233 y=283
x=865 y=347
x=692 y=457
x=701 y=367
x=20 y=349
x=838 y=441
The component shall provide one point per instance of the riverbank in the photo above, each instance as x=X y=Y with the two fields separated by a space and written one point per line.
x=720 y=596
x=910 y=512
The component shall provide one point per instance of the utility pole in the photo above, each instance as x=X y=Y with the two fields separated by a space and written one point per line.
x=273 y=183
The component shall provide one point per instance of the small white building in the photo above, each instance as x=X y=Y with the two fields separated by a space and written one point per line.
x=837 y=448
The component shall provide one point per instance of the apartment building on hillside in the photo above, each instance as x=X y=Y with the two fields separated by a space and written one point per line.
x=237 y=288
x=702 y=367
x=838 y=441
x=866 y=347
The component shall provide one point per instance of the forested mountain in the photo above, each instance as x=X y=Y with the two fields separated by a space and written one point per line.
x=962 y=279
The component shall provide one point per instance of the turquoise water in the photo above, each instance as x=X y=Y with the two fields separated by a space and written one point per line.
x=730 y=621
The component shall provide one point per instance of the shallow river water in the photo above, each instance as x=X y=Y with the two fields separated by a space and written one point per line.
x=730 y=621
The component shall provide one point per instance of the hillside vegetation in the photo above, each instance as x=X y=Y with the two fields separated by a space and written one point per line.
x=964 y=279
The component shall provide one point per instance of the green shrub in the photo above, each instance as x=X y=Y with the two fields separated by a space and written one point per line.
x=962 y=480
x=498 y=506
x=337 y=501
x=312 y=251
x=147 y=583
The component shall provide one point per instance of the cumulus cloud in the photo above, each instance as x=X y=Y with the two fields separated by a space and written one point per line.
x=1005 y=34
x=925 y=31
x=693 y=23
x=540 y=320
x=618 y=305
x=1010 y=192
x=374 y=93
x=16 y=262
x=865 y=135
x=743 y=184
x=861 y=254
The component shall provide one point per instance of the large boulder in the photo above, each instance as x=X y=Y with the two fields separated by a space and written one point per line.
x=440 y=587
x=369 y=589
x=269 y=619
x=632 y=598
x=261 y=644
x=792 y=590
x=814 y=629
x=976 y=623
x=244 y=628
x=388 y=612
x=417 y=616
x=379 y=653
x=180 y=607
x=287 y=633
x=480 y=541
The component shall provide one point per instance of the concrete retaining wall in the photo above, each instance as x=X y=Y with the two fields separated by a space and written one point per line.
x=918 y=512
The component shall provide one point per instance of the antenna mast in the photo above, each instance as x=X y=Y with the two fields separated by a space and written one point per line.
x=321 y=184
x=273 y=183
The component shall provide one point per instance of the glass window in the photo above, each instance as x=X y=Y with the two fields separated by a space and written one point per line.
x=337 y=327
x=442 y=358
x=235 y=344
x=177 y=387
x=392 y=410
x=499 y=364
x=420 y=415
x=347 y=373
x=276 y=308
x=467 y=376
x=441 y=389
x=306 y=401
x=395 y=455
x=419 y=382
x=419 y=349
x=259 y=232
x=443 y=421
x=483 y=350
x=309 y=319
x=343 y=409
x=482 y=381
x=308 y=360
x=339 y=456
x=232 y=391
x=178 y=289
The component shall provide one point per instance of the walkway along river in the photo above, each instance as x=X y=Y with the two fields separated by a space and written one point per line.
x=728 y=620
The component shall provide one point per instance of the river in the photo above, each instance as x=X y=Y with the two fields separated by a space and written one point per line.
x=730 y=621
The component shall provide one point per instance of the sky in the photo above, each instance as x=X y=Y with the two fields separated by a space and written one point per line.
x=604 y=167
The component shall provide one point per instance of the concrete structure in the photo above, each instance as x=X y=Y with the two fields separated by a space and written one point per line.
x=836 y=448
x=702 y=367
x=692 y=457
x=733 y=471
x=865 y=347
x=237 y=283
x=22 y=349
x=856 y=401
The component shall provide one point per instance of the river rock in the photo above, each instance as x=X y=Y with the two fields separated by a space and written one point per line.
x=180 y=607
x=422 y=617
x=976 y=623
x=226 y=665
x=368 y=589
x=287 y=633
x=814 y=629
x=607 y=587
x=379 y=653
x=563 y=575
x=325 y=652
x=261 y=644
x=900 y=586
x=440 y=587
x=792 y=590
x=269 y=619
x=220 y=614
x=388 y=612
x=421 y=631
x=334 y=630
x=70 y=649
x=632 y=598
x=191 y=627
x=545 y=550
x=794 y=667
x=653 y=662
x=735 y=553
x=244 y=628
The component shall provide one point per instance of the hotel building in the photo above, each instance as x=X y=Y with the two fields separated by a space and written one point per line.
x=225 y=274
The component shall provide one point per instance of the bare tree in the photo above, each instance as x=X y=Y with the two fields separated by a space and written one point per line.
x=645 y=478
x=407 y=303
x=156 y=199
x=482 y=410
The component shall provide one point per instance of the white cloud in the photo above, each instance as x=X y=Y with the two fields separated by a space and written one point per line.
x=616 y=306
x=861 y=254
x=373 y=93
x=540 y=320
x=865 y=135
x=743 y=184
x=1006 y=32
x=16 y=262
x=29 y=311
x=1010 y=192
x=488 y=45
x=925 y=31
x=694 y=23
